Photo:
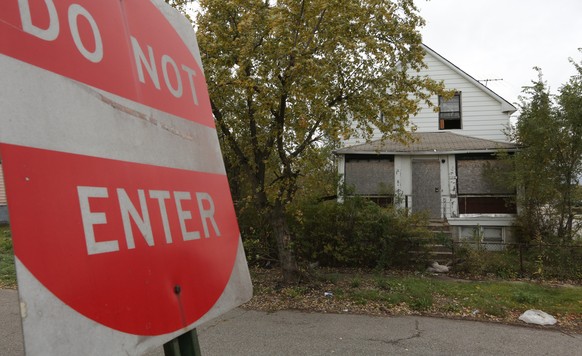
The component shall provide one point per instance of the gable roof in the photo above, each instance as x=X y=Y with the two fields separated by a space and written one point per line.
x=430 y=143
x=506 y=106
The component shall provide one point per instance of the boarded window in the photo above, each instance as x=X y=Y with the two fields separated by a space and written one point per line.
x=472 y=177
x=370 y=175
x=478 y=194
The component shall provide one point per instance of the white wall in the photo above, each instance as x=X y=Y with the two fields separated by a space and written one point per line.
x=482 y=112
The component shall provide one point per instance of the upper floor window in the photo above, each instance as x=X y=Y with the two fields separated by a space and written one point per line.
x=450 y=112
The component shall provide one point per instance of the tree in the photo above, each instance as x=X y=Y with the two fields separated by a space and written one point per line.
x=549 y=162
x=533 y=176
x=181 y=5
x=569 y=150
x=289 y=77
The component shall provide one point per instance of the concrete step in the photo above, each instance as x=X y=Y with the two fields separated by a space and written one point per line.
x=437 y=253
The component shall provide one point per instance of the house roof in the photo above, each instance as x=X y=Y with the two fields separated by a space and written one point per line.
x=506 y=106
x=430 y=143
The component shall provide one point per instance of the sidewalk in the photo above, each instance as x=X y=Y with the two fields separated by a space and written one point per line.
x=249 y=332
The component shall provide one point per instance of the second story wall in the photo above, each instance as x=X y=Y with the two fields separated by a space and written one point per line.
x=484 y=114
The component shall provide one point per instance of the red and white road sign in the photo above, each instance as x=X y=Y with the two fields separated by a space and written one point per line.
x=120 y=210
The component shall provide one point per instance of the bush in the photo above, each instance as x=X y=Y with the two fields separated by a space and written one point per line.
x=474 y=259
x=260 y=247
x=554 y=261
x=545 y=261
x=359 y=233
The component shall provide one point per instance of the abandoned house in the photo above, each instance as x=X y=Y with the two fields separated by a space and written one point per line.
x=443 y=171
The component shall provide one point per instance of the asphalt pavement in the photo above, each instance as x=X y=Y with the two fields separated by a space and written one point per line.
x=249 y=332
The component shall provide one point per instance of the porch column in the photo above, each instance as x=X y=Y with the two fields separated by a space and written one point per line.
x=341 y=171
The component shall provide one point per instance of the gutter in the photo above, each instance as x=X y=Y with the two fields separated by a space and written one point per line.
x=424 y=153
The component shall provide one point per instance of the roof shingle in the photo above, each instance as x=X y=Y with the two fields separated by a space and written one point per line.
x=429 y=142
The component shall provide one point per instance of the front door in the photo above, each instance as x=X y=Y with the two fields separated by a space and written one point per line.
x=426 y=186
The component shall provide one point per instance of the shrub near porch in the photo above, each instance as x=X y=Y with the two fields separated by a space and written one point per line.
x=359 y=233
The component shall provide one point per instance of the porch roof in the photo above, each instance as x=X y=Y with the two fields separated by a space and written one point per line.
x=430 y=143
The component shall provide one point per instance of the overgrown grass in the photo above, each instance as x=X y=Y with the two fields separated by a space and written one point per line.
x=414 y=292
x=7 y=269
x=494 y=298
x=374 y=292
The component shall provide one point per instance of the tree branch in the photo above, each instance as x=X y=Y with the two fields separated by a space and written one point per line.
x=224 y=129
x=315 y=29
x=309 y=140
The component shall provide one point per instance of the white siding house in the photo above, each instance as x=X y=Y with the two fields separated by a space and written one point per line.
x=442 y=172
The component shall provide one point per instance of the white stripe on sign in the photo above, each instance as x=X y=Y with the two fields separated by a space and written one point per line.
x=46 y=110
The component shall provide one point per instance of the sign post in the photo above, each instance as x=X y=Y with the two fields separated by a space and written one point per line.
x=116 y=187
x=184 y=345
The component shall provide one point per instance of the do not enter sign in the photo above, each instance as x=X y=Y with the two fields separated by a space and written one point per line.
x=122 y=220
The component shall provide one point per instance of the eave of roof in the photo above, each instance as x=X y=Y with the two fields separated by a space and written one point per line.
x=430 y=143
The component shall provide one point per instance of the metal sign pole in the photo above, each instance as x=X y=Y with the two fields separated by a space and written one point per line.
x=184 y=345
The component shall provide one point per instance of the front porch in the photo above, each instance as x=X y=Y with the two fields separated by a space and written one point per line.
x=446 y=175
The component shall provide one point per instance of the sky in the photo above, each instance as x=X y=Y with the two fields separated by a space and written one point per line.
x=505 y=39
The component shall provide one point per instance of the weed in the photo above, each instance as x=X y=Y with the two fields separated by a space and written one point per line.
x=356 y=282
x=7 y=268
x=451 y=307
x=525 y=297
x=339 y=293
x=421 y=303
x=294 y=292
x=332 y=278
x=6 y=245
x=363 y=296
x=383 y=283
x=4 y=231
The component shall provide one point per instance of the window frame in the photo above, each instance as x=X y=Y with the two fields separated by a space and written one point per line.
x=454 y=121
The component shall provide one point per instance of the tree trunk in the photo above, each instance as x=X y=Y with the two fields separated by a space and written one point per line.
x=285 y=246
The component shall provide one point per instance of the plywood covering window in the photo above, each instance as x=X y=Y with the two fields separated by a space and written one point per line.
x=371 y=176
x=450 y=112
x=477 y=193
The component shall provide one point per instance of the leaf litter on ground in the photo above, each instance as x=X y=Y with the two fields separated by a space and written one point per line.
x=402 y=293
